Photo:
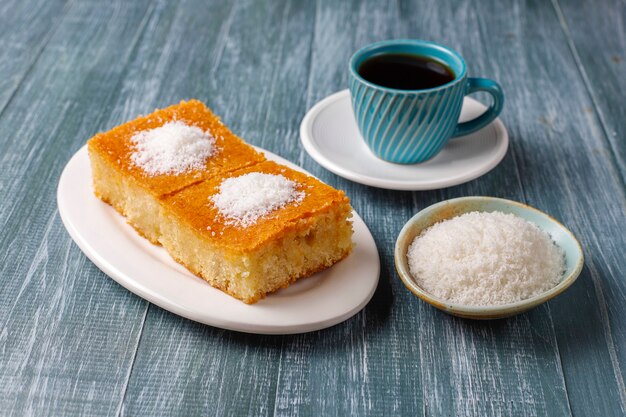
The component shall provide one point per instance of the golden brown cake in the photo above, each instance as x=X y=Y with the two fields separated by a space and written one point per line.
x=132 y=191
x=251 y=261
x=246 y=225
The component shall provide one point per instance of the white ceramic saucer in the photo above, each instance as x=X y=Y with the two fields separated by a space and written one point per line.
x=330 y=135
x=314 y=303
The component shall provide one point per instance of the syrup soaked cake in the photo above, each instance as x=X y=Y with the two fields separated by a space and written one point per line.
x=246 y=225
x=252 y=231
x=137 y=163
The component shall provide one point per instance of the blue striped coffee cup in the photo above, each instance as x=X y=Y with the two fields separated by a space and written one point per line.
x=412 y=126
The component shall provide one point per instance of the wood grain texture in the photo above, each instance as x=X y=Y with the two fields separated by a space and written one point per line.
x=235 y=71
x=439 y=358
x=68 y=334
x=25 y=28
x=552 y=150
x=598 y=43
x=370 y=364
x=73 y=342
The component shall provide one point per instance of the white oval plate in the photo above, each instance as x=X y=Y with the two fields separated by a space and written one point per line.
x=330 y=135
x=322 y=300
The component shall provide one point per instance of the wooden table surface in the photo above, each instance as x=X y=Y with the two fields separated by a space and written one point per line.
x=74 y=342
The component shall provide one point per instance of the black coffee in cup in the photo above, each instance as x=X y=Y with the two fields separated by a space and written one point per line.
x=405 y=71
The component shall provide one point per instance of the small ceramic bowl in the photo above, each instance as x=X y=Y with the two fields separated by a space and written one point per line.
x=451 y=208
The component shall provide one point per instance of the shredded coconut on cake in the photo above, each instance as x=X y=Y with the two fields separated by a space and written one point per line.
x=173 y=148
x=243 y=200
x=485 y=259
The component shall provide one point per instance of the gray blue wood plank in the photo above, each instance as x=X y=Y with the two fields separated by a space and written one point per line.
x=73 y=342
x=68 y=334
x=556 y=153
x=228 y=69
x=374 y=365
x=25 y=28
x=550 y=146
x=598 y=42
x=453 y=371
x=597 y=31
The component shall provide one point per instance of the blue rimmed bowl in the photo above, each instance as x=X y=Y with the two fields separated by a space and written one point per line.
x=574 y=258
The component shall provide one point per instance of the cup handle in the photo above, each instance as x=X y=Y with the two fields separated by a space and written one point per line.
x=488 y=86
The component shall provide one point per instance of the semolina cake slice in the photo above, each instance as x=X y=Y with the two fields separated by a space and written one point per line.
x=246 y=225
x=252 y=231
x=137 y=163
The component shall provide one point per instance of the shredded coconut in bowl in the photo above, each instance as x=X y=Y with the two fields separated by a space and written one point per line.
x=173 y=148
x=243 y=200
x=485 y=259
